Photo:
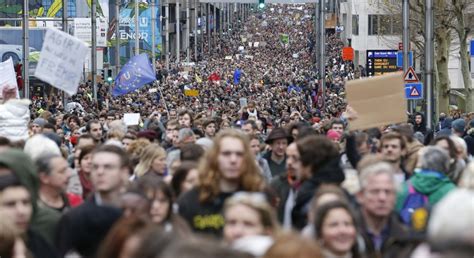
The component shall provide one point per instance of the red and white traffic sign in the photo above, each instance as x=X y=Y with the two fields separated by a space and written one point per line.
x=410 y=75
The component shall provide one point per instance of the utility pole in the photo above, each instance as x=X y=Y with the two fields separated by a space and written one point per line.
x=94 y=48
x=178 y=32
x=322 y=64
x=65 y=29
x=214 y=27
x=208 y=28
x=26 y=49
x=188 y=27
x=406 y=43
x=167 y=34
x=429 y=53
x=137 y=29
x=117 y=37
x=195 y=33
x=153 y=34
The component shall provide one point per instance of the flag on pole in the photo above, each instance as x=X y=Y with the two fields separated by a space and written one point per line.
x=135 y=74
x=214 y=77
x=237 y=74
x=198 y=79
x=284 y=38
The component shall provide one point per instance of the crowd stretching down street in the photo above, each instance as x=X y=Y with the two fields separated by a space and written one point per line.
x=235 y=155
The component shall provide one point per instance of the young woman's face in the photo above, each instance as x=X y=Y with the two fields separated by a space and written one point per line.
x=338 y=231
x=159 y=164
x=241 y=221
x=160 y=208
x=86 y=163
x=191 y=180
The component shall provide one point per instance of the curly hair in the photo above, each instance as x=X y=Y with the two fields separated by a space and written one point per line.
x=209 y=174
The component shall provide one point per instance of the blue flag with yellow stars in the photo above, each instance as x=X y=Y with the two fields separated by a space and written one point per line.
x=134 y=74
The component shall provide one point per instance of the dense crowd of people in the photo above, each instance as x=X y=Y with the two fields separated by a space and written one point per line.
x=253 y=166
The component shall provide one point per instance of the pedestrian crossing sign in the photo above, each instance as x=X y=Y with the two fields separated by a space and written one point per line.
x=414 y=90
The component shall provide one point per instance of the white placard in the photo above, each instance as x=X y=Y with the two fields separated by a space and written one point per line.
x=241 y=48
x=153 y=90
x=248 y=56
x=8 y=76
x=61 y=60
x=228 y=58
x=255 y=44
x=131 y=118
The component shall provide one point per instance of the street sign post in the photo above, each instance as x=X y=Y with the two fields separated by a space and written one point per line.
x=414 y=90
x=400 y=59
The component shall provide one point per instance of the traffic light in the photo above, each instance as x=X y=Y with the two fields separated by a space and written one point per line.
x=261 y=4
x=109 y=75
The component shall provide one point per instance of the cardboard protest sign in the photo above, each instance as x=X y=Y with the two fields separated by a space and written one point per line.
x=191 y=93
x=131 y=118
x=243 y=102
x=8 y=76
x=378 y=101
x=61 y=60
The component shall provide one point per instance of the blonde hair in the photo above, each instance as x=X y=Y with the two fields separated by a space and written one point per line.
x=259 y=203
x=209 y=174
x=149 y=154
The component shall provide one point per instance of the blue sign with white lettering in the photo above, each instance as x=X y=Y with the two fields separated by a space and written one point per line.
x=400 y=58
x=414 y=90
x=472 y=47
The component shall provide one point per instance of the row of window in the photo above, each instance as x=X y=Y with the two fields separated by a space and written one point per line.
x=379 y=24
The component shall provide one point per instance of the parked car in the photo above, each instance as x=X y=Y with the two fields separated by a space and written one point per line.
x=13 y=51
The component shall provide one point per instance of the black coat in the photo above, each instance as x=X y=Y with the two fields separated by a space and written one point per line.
x=330 y=173
x=83 y=228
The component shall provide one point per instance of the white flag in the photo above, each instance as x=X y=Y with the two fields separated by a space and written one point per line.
x=61 y=60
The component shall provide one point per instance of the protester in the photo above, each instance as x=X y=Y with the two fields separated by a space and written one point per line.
x=227 y=168
x=336 y=230
x=248 y=214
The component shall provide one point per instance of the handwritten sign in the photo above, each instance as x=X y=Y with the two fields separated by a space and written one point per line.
x=7 y=76
x=61 y=60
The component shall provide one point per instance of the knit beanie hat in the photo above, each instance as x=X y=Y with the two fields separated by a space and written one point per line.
x=458 y=125
x=39 y=121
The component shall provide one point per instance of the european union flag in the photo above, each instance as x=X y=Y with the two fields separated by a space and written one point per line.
x=136 y=73
x=237 y=74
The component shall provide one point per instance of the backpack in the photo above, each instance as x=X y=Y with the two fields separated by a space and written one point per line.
x=415 y=207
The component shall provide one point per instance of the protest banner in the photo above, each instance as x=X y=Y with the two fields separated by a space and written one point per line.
x=378 y=101
x=191 y=93
x=7 y=76
x=61 y=60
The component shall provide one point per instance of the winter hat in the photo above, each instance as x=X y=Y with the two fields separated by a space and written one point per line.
x=333 y=135
x=471 y=123
x=39 y=121
x=458 y=125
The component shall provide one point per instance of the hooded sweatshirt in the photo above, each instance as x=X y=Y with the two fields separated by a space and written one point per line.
x=40 y=227
x=434 y=185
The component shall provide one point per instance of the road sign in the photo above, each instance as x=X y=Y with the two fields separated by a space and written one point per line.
x=400 y=58
x=472 y=47
x=410 y=75
x=339 y=28
x=381 y=61
x=348 y=54
x=414 y=90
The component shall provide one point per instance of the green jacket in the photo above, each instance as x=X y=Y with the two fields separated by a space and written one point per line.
x=43 y=220
x=432 y=184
